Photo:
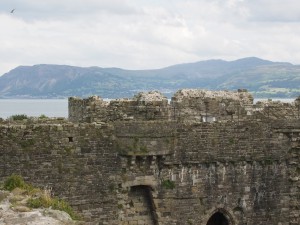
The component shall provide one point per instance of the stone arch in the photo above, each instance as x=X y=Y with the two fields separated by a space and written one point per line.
x=219 y=216
x=141 y=181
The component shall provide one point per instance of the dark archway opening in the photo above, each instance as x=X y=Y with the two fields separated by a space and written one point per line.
x=217 y=219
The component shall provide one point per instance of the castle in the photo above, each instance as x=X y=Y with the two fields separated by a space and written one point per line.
x=204 y=158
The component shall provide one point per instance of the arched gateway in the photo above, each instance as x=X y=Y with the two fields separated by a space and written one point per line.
x=217 y=219
x=220 y=217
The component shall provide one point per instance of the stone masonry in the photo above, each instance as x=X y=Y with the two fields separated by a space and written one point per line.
x=204 y=158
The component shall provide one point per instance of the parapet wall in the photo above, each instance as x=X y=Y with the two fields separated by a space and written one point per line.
x=151 y=106
x=209 y=106
x=186 y=105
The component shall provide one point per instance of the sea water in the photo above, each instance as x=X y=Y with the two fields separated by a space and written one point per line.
x=34 y=107
x=47 y=107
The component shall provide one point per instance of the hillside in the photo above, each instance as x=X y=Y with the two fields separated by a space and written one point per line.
x=261 y=77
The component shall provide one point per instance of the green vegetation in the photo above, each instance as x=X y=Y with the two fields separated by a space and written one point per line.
x=265 y=79
x=168 y=184
x=231 y=141
x=27 y=143
x=46 y=201
x=43 y=116
x=19 y=117
x=68 y=150
x=16 y=181
x=135 y=148
x=39 y=198
x=143 y=149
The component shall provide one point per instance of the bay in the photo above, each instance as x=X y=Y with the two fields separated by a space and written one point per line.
x=48 y=107
x=287 y=100
x=34 y=107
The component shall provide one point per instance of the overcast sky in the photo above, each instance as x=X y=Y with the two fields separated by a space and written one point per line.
x=144 y=34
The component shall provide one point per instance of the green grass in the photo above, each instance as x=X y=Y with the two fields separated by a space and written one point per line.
x=46 y=201
x=40 y=198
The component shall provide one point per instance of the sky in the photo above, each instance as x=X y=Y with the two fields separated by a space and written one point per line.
x=146 y=34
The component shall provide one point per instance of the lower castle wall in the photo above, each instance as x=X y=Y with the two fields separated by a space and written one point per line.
x=76 y=161
x=242 y=169
x=248 y=170
x=251 y=193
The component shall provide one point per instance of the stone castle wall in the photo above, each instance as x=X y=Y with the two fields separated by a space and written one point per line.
x=73 y=160
x=123 y=167
x=186 y=105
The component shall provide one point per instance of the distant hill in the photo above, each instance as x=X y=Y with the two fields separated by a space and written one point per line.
x=261 y=77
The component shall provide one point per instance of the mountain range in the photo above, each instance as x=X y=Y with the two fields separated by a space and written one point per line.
x=261 y=77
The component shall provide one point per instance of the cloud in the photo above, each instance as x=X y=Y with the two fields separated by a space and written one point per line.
x=141 y=34
x=65 y=10
x=274 y=11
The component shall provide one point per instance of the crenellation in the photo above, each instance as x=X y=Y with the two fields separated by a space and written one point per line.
x=186 y=105
x=203 y=155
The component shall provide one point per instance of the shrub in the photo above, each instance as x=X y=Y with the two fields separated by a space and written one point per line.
x=14 y=181
x=19 y=117
x=168 y=184
x=43 y=116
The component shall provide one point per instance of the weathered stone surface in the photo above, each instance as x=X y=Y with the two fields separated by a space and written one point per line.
x=202 y=156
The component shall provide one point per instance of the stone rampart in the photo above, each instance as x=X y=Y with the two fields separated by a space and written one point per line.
x=150 y=106
x=117 y=166
x=74 y=160
x=186 y=105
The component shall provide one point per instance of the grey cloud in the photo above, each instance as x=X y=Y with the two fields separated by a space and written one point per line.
x=244 y=11
x=65 y=9
x=274 y=11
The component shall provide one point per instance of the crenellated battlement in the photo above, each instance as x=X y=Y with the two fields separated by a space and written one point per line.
x=186 y=105
x=204 y=157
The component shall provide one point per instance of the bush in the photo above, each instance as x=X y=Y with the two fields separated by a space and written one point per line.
x=19 y=117
x=43 y=116
x=168 y=184
x=14 y=181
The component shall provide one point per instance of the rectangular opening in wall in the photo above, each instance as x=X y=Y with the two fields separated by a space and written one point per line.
x=140 y=206
x=70 y=139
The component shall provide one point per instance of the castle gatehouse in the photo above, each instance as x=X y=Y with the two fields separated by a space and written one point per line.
x=203 y=158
